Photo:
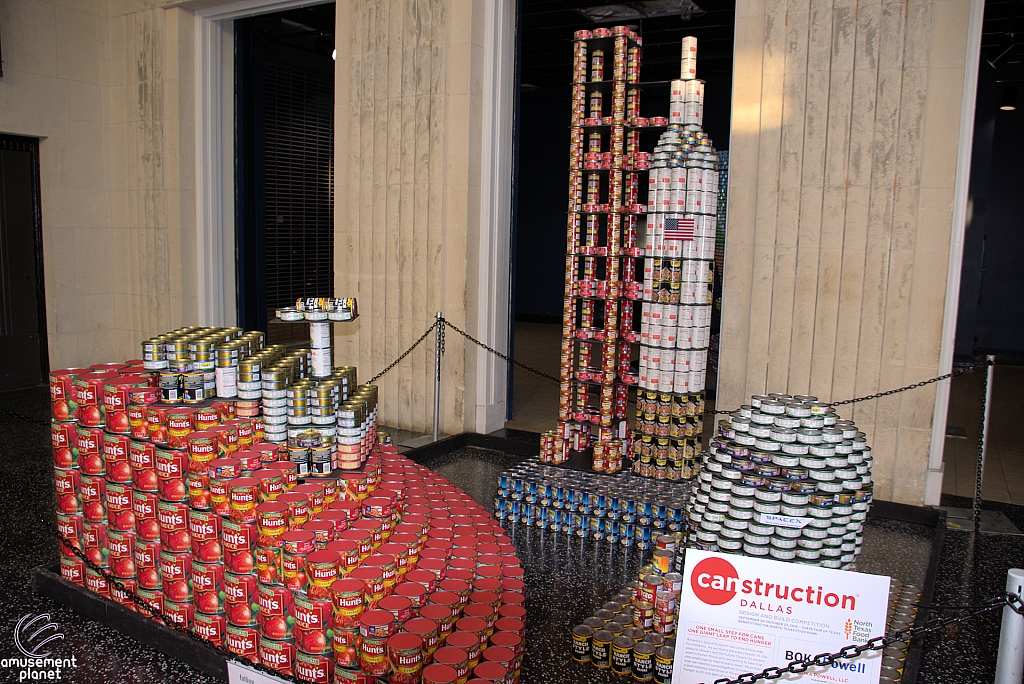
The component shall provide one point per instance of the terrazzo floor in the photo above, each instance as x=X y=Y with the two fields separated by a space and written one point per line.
x=567 y=577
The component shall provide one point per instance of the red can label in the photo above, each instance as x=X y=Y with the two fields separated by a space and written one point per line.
x=97 y=583
x=314 y=667
x=147 y=561
x=61 y=393
x=268 y=565
x=175 y=569
x=243 y=495
x=121 y=558
x=73 y=570
x=115 y=457
x=210 y=627
x=88 y=394
x=205 y=529
x=170 y=472
x=63 y=438
x=173 y=520
x=156 y=420
x=119 y=507
x=180 y=612
x=93 y=490
x=277 y=655
x=179 y=425
x=67 y=483
x=70 y=528
x=220 y=502
x=206 y=417
x=243 y=642
x=115 y=406
x=207 y=582
x=138 y=426
x=94 y=542
x=122 y=596
x=199 y=490
x=312 y=619
x=238 y=540
x=90 y=450
x=142 y=456
x=144 y=506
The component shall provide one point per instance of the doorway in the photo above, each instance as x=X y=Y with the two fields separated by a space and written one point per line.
x=24 y=360
x=284 y=165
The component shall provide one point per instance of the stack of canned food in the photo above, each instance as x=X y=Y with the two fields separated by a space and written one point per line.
x=633 y=633
x=787 y=479
x=904 y=600
x=606 y=163
x=392 y=571
x=320 y=309
x=670 y=439
x=618 y=509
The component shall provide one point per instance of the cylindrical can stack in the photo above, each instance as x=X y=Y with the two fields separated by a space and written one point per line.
x=634 y=632
x=616 y=509
x=678 y=277
x=382 y=570
x=599 y=335
x=786 y=479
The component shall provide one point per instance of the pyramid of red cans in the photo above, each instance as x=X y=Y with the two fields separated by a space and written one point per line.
x=599 y=337
x=385 y=571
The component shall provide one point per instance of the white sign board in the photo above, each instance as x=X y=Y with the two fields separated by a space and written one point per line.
x=240 y=674
x=741 y=614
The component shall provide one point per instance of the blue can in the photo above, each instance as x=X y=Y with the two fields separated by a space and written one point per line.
x=626 y=532
x=499 y=505
x=612 y=507
x=643 y=512
x=550 y=514
x=595 y=528
x=584 y=528
x=504 y=481
x=643 y=534
x=512 y=507
x=611 y=527
x=530 y=493
x=675 y=518
x=627 y=510
x=527 y=513
x=518 y=485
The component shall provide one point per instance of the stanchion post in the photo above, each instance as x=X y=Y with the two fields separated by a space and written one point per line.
x=1010 y=659
x=438 y=334
x=990 y=369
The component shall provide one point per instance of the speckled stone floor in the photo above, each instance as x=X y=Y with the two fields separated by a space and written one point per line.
x=567 y=578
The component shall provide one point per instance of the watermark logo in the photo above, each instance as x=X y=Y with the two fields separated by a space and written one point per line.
x=35 y=637
x=34 y=632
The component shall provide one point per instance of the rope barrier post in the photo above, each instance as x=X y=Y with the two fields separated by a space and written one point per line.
x=1010 y=657
x=438 y=333
x=990 y=369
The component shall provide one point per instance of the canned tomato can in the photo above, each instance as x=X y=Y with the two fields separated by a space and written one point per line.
x=180 y=424
x=243 y=642
x=240 y=599
x=205 y=530
x=220 y=501
x=96 y=583
x=118 y=501
x=142 y=458
x=121 y=560
x=347 y=599
x=271 y=522
x=73 y=570
x=67 y=484
x=63 y=439
x=314 y=667
x=93 y=490
x=373 y=657
x=70 y=528
x=210 y=626
x=154 y=598
x=269 y=483
x=277 y=654
x=175 y=573
x=116 y=399
x=405 y=653
x=88 y=395
x=208 y=586
x=269 y=564
x=238 y=540
x=62 y=402
x=116 y=459
x=206 y=417
x=243 y=493
x=146 y=556
x=171 y=465
x=202 y=449
x=89 y=442
x=276 y=614
x=138 y=426
x=172 y=517
x=454 y=658
x=198 y=485
x=322 y=570
x=312 y=620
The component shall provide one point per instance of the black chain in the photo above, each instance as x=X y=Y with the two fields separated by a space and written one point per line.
x=853 y=650
x=978 y=474
x=34 y=421
x=394 y=363
x=164 y=617
x=947 y=376
x=499 y=354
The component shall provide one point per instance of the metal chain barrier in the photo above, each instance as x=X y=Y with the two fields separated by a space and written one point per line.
x=880 y=642
x=394 y=363
x=499 y=354
x=163 y=617
x=34 y=421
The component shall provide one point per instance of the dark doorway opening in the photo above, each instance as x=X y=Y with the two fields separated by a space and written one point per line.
x=284 y=165
x=541 y=177
x=24 y=358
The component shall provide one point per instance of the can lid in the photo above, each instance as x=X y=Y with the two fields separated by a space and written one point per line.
x=449 y=655
x=421 y=626
x=437 y=673
x=376 y=618
x=327 y=557
x=244 y=481
x=490 y=671
x=499 y=654
x=436 y=612
x=463 y=640
x=347 y=585
x=405 y=641
x=296 y=535
x=665 y=653
x=272 y=506
x=447 y=598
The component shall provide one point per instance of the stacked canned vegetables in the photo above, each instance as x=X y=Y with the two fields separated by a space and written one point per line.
x=633 y=633
x=377 y=572
x=787 y=479
x=620 y=509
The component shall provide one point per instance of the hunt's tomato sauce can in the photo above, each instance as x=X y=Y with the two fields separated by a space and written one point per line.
x=156 y=424
x=211 y=627
x=243 y=493
x=118 y=499
x=73 y=570
x=170 y=472
x=180 y=612
x=121 y=558
x=121 y=597
x=144 y=506
x=312 y=620
x=220 y=502
x=70 y=528
x=238 y=540
x=205 y=529
x=207 y=417
x=269 y=566
x=199 y=495
x=94 y=542
x=289 y=473
x=147 y=562
x=62 y=405
x=276 y=614
x=63 y=439
x=314 y=668
x=405 y=653
x=93 y=489
x=297 y=505
x=180 y=424
x=322 y=570
x=269 y=483
x=207 y=582
x=175 y=572
x=97 y=583
x=90 y=450
x=227 y=439
x=278 y=655
x=142 y=457
x=240 y=599
x=272 y=522
x=67 y=484
x=243 y=642
x=138 y=426
x=88 y=395
x=116 y=459
x=202 y=448
x=173 y=520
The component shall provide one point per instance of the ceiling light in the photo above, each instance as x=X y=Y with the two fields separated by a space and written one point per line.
x=334 y=54
x=1009 y=102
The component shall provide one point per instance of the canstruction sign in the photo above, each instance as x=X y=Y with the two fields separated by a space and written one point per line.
x=742 y=614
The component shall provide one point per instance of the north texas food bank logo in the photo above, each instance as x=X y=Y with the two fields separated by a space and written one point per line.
x=716 y=582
